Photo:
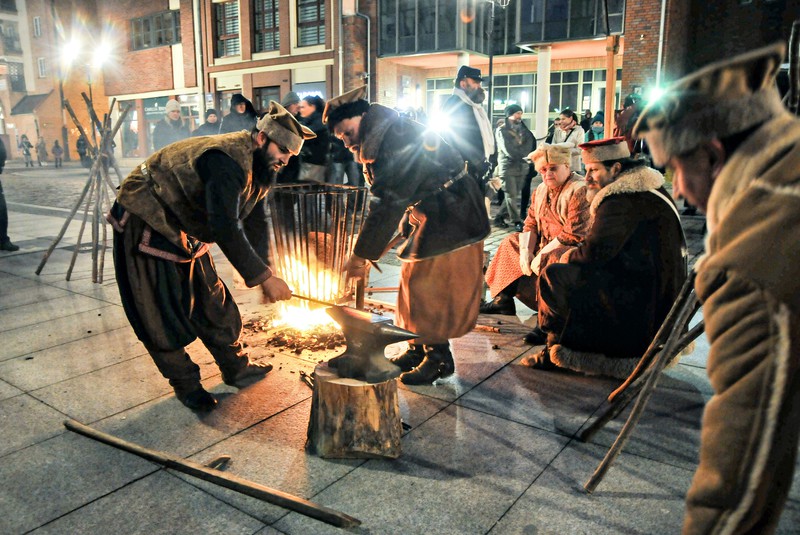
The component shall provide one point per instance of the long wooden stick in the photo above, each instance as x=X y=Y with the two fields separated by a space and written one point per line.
x=229 y=481
x=80 y=232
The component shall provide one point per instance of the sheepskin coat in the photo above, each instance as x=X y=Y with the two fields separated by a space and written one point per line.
x=749 y=284
x=406 y=168
x=626 y=273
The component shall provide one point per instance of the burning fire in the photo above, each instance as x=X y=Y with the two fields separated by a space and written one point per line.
x=320 y=284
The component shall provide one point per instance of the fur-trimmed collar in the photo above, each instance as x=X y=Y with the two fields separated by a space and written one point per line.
x=374 y=125
x=636 y=180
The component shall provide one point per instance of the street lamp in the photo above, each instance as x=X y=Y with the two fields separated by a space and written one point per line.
x=490 y=37
x=75 y=52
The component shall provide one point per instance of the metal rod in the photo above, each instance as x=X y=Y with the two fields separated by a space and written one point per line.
x=229 y=481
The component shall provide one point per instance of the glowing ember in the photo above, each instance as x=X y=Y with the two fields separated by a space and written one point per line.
x=302 y=317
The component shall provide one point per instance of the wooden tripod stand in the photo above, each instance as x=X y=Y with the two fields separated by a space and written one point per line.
x=96 y=190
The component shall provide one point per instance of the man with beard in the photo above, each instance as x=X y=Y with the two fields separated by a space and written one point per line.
x=419 y=184
x=168 y=212
x=171 y=128
x=735 y=154
x=469 y=130
x=599 y=311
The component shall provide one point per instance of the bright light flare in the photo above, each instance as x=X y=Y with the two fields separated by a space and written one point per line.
x=656 y=93
x=302 y=317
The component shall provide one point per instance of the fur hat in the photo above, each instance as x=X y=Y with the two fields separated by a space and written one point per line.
x=601 y=150
x=289 y=99
x=345 y=98
x=511 y=109
x=718 y=101
x=282 y=128
x=172 y=105
x=548 y=154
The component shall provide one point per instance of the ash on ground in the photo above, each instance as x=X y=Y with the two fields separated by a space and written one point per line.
x=320 y=338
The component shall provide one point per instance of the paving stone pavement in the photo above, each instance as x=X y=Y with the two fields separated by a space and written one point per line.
x=493 y=450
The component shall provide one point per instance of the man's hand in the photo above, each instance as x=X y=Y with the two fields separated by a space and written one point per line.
x=355 y=268
x=275 y=289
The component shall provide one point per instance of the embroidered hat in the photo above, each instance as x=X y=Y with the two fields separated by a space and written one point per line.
x=358 y=93
x=601 y=150
x=549 y=154
x=282 y=128
x=719 y=100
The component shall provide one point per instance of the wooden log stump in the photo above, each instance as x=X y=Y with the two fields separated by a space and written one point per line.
x=352 y=419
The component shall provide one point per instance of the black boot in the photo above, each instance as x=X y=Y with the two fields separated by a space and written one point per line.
x=6 y=245
x=411 y=358
x=501 y=304
x=197 y=399
x=499 y=222
x=536 y=337
x=438 y=363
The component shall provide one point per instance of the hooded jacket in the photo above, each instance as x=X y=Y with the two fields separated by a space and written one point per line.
x=235 y=121
x=406 y=168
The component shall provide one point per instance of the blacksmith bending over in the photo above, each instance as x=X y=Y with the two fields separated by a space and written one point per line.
x=169 y=210
x=735 y=153
x=601 y=308
x=443 y=227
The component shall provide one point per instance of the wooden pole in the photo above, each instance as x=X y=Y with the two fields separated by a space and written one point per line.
x=229 y=481
x=80 y=232
x=612 y=49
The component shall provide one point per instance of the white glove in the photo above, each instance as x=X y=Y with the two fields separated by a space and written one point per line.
x=537 y=262
x=525 y=254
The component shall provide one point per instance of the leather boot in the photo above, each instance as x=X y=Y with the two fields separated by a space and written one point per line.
x=411 y=358
x=249 y=373
x=438 y=363
x=501 y=304
x=196 y=398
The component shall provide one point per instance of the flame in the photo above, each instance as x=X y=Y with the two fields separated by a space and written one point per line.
x=302 y=316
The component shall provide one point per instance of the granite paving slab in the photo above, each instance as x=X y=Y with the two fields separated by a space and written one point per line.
x=106 y=391
x=156 y=504
x=559 y=402
x=45 y=311
x=8 y=391
x=59 y=475
x=163 y=423
x=71 y=359
x=21 y=292
x=638 y=496
x=26 y=420
x=52 y=333
x=460 y=471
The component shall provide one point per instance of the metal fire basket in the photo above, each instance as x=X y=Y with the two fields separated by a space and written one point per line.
x=312 y=231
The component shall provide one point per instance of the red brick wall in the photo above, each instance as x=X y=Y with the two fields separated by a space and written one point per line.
x=642 y=22
x=150 y=69
x=354 y=29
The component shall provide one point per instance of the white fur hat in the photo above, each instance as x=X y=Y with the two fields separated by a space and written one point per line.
x=602 y=150
x=546 y=154
x=717 y=101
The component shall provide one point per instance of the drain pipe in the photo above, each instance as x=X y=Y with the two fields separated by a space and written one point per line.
x=341 y=49
x=198 y=57
x=661 y=42
x=369 y=58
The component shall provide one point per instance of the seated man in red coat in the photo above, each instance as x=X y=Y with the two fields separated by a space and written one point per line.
x=600 y=310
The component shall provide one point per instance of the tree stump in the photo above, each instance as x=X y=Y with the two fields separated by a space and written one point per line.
x=352 y=419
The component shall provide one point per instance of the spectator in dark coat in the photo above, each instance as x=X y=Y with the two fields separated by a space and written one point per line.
x=210 y=127
x=242 y=116
x=314 y=156
x=171 y=128
x=5 y=242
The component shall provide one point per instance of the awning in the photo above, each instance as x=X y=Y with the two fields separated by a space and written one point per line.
x=28 y=104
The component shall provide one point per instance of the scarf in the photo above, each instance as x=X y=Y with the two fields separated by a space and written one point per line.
x=483 y=122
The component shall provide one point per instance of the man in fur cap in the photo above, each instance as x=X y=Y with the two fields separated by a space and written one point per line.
x=169 y=210
x=419 y=184
x=735 y=153
x=600 y=310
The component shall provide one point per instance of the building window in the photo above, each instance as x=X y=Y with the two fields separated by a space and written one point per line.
x=262 y=96
x=226 y=16
x=8 y=5
x=10 y=35
x=42 y=63
x=16 y=74
x=37 y=26
x=310 y=22
x=510 y=89
x=161 y=29
x=267 y=25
